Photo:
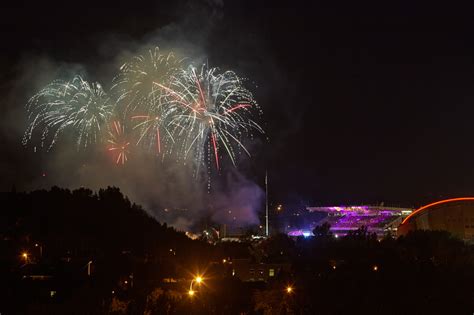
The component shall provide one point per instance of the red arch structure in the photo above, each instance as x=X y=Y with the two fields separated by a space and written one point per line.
x=417 y=211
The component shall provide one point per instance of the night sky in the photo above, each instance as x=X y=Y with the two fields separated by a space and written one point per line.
x=363 y=103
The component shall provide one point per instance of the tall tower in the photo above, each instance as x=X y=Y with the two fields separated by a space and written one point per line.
x=266 y=204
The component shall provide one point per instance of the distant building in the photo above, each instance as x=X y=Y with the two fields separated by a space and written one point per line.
x=231 y=233
x=454 y=215
x=380 y=220
x=248 y=271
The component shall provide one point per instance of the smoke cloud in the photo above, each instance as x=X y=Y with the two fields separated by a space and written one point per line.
x=238 y=202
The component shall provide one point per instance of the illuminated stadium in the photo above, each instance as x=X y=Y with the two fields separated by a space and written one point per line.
x=454 y=215
x=343 y=219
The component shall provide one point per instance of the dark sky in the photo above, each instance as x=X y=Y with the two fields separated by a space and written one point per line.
x=363 y=102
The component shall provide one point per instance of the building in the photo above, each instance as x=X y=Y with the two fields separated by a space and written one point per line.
x=380 y=220
x=455 y=215
x=249 y=271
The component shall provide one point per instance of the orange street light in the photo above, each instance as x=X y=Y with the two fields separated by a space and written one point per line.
x=289 y=289
x=198 y=280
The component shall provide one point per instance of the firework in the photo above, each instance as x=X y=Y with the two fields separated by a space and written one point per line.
x=149 y=130
x=138 y=82
x=119 y=143
x=198 y=114
x=77 y=105
x=140 y=86
x=211 y=114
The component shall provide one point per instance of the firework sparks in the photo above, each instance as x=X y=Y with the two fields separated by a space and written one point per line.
x=119 y=144
x=197 y=114
x=140 y=86
x=149 y=129
x=85 y=108
x=214 y=107
x=139 y=82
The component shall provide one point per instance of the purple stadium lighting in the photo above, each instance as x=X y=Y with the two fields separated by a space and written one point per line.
x=343 y=219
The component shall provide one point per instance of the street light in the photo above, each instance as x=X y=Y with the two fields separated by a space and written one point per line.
x=198 y=280
x=289 y=289
x=25 y=256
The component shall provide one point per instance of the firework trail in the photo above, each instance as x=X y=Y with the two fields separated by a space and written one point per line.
x=119 y=143
x=77 y=105
x=211 y=114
